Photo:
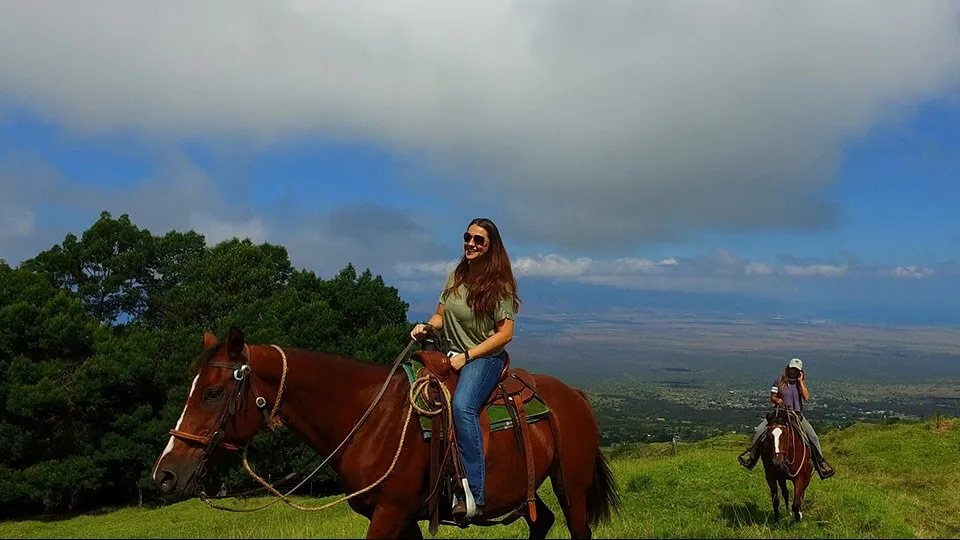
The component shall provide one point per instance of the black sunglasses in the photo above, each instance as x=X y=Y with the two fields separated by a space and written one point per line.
x=477 y=239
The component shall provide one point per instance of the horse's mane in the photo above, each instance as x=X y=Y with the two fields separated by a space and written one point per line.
x=210 y=352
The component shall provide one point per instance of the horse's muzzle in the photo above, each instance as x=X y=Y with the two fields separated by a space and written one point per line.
x=166 y=482
x=171 y=489
x=780 y=462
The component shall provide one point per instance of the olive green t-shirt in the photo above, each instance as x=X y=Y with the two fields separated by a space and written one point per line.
x=462 y=327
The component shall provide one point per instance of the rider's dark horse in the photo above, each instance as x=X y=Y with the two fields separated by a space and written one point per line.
x=786 y=454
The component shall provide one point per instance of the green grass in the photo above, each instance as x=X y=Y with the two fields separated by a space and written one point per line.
x=897 y=480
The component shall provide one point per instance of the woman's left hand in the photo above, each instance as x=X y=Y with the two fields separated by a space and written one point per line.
x=458 y=361
x=801 y=377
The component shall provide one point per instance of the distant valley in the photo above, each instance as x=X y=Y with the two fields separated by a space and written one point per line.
x=654 y=376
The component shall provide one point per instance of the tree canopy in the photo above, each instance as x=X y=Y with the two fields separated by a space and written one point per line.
x=97 y=333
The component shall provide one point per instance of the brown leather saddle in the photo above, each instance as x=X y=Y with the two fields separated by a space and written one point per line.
x=515 y=388
x=788 y=419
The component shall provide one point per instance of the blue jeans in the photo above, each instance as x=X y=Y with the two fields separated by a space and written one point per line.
x=477 y=380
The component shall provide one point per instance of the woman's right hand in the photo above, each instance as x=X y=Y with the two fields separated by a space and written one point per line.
x=419 y=331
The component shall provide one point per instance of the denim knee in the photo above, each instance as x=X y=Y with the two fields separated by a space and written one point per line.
x=461 y=405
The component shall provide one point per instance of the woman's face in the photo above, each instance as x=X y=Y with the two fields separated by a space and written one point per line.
x=476 y=242
x=793 y=372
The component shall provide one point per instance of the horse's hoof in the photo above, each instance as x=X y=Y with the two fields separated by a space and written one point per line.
x=797 y=516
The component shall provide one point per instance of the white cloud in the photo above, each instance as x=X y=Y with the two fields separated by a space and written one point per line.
x=609 y=123
x=627 y=271
x=811 y=270
x=548 y=266
x=551 y=265
x=719 y=272
x=424 y=269
x=560 y=266
x=911 y=271
x=217 y=230
x=757 y=269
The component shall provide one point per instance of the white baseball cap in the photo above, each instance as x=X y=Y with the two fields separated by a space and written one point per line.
x=796 y=363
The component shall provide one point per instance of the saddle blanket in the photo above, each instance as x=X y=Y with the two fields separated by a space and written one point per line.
x=500 y=419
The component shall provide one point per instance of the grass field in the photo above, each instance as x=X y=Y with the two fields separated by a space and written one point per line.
x=898 y=480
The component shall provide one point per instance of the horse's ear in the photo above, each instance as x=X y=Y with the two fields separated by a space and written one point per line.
x=209 y=340
x=235 y=341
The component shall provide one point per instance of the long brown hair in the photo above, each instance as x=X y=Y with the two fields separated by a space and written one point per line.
x=490 y=281
x=784 y=380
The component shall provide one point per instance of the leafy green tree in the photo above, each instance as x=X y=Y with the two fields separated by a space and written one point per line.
x=96 y=335
x=110 y=267
x=45 y=338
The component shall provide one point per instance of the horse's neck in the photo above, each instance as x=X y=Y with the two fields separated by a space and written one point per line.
x=326 y=395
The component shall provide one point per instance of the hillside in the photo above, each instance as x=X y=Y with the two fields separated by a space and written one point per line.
x=894 y=480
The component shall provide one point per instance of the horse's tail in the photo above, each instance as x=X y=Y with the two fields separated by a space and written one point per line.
x=602 y=495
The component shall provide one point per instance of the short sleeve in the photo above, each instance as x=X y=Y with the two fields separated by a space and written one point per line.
x=504 y=309
x=775 y=389
x=446 y=285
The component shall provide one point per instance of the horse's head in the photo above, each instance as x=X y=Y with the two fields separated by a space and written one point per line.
x=780 y=435
x=215 y=416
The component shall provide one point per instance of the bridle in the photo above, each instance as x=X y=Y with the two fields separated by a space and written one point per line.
x=787 y=428
x=237 y=401
x=243 y=380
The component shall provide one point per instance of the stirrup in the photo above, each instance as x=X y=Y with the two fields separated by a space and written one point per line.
x=468 y=504
x=825 y=469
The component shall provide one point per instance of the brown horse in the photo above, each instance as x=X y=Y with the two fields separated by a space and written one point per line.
x=786 y=456
x=324 y=396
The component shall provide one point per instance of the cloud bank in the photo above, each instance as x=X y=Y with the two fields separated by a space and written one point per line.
x=721 y=271
x=595 y=126
x=181 y=196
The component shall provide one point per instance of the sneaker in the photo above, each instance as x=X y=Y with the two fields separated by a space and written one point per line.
x=459 y=510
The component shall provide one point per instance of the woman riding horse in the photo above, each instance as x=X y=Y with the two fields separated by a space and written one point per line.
x=475 y=314
x=789 y=390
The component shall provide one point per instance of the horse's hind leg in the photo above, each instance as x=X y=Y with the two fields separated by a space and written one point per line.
x=571 y=493
x=545 y=519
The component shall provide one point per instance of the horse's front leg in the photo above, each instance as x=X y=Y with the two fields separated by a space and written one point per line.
x=783 y=489
x=389 y=521
x=799 y=487
x=774 y=496
x=412 y=530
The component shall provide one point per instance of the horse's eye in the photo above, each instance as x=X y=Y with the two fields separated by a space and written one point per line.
x=213 y=394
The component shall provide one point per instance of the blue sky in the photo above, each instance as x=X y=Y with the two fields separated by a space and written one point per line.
x=621 y=147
